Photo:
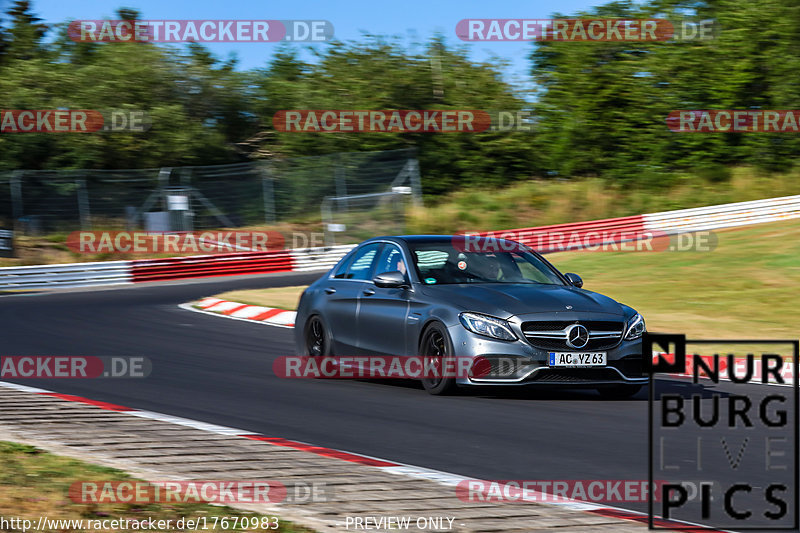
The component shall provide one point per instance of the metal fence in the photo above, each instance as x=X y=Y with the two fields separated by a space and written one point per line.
x=354 y=218
x=200 y=197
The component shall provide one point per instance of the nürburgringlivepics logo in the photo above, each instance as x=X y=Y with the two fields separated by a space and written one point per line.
x=724 y=445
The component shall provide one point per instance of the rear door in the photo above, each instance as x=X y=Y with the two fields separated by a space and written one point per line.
x=342 y=292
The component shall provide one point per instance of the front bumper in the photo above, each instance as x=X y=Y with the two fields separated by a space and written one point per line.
x=520 y=363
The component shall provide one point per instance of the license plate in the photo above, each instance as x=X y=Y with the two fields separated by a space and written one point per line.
x=577 y=359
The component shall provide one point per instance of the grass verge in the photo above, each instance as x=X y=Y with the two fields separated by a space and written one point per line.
x=280 y=297
x=745 y=288
x=35 y=483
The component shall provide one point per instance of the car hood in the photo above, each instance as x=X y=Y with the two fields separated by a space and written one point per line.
x=504 y=300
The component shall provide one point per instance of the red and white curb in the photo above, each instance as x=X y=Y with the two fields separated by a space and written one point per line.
x=401 y=469
x=251 y=313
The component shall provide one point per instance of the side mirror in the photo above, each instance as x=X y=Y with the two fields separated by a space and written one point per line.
x=574 y=279
x=390 y=280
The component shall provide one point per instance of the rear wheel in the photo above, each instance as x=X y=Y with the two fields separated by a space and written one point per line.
x=318 y=340
x=619 y=392
x=436 y=348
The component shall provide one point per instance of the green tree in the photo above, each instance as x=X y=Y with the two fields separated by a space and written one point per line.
x=25 y=33
x=377 y=73
x=602 y=106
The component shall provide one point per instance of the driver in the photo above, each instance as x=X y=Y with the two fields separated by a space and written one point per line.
x=401 y=265
x=486 y=267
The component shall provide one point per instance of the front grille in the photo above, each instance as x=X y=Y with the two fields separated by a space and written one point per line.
x=575 y=375
x=541 y=334
x=556 y=325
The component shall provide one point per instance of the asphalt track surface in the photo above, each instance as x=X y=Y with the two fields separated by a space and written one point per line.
x=220 y=371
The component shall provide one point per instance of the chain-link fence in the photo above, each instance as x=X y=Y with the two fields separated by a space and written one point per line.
x=204 y=197
x=357 y=217
x=306 y=181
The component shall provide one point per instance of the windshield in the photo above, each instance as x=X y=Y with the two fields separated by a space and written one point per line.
x=443 y=263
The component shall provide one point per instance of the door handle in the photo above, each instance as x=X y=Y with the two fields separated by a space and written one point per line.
x=330 y=290
x=368 y=292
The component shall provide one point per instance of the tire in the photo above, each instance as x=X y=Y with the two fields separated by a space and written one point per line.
x=619 y=392
x=318 y=341
x=436 y=343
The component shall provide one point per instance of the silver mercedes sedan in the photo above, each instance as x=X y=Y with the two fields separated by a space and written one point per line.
x=494 y=303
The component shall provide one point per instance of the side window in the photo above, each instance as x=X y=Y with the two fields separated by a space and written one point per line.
x=362 y=262
x=428 y=260
x=391 y=259
x=342 y=270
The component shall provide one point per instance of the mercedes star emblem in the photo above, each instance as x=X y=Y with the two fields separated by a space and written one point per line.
x=577 y=336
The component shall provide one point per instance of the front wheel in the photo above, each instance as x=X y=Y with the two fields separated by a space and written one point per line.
x=436 y=347
x=619 y=392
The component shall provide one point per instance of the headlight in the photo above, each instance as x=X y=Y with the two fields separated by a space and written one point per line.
x=487 y=325
x=636 y=328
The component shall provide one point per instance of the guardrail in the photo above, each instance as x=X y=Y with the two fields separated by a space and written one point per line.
x=580 y=235
x=570 y=236
x=576 y=235
x=200 y=266
x=724 y=216
x=65 y=275
x=311 y=259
